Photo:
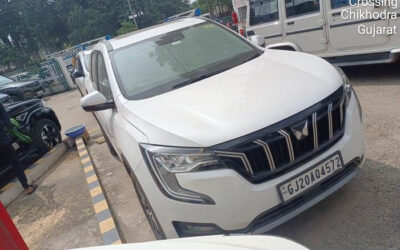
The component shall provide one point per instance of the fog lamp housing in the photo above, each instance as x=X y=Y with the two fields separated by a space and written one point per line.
x=185 y=229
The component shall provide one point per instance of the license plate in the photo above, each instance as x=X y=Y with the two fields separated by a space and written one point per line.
x=305 y=180
x=40 y=92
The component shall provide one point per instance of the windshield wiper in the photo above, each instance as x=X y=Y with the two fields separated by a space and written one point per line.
x=202 y=76
x=253 y=57
x=197 y=78
x=182 y=84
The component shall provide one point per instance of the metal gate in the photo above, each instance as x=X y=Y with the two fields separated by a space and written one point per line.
x=52 y=77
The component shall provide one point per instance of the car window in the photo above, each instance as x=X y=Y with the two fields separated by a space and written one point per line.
x=5 y=80
x=263 y=11
x=341 y=3
x=103 y=84
x=93 y=70
x=301 y=7
x=176 y=57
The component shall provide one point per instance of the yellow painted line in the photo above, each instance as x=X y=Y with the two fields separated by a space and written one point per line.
x=27 y=171
x=86 y=160
x=95 y=191
x=100 y=206
x=107 y=225
x=88 y=169
x=83 y=153
x=116 y=242
x=91 y=179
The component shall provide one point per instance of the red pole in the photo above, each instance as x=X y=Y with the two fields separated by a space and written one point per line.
x=10 y=238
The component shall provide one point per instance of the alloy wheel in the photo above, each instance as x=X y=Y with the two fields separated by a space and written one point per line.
x=50 y=136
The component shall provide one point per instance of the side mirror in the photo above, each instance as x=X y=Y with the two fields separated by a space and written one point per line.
x=77 y=74
x=96 y=101
x=257 y=40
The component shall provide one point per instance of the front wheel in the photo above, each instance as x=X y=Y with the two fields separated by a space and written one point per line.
x=46 y=135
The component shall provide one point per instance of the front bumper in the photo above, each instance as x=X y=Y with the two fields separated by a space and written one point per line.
x=243 y=207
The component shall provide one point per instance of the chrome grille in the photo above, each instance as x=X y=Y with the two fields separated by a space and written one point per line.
x=281 y=147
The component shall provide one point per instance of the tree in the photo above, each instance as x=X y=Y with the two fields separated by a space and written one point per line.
x=11 y=56
x=126 y=27
x=30 y=28
x=207 y=6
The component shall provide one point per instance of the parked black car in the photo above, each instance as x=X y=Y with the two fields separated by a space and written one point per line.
x=38 y=122
x=19 y=91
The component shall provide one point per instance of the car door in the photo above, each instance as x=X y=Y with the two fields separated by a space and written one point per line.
x=264 y=19
x=344 y=30
x=105 y=117
x=305 y=24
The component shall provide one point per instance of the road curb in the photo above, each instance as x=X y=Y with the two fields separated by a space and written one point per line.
x=103 y=213
x=12 y=190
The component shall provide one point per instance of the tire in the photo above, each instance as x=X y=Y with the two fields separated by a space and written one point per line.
x=46 y=135
x=148 y=211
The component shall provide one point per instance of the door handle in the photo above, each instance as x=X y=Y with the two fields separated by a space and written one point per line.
x=290 y=23
x=337 y=13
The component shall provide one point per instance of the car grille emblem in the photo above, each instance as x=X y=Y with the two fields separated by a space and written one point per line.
x=300 y=130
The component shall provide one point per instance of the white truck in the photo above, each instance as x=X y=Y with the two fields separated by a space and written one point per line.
x=345 y=32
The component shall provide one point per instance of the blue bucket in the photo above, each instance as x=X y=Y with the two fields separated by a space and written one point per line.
x=76 y=131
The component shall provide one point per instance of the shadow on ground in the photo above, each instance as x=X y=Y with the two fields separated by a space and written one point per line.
x=376 y=74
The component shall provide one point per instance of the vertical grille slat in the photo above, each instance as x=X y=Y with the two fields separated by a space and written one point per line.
x=288 y=144
x=269 y=154
x=341 y=111
x=315 y=130
x=330 y=121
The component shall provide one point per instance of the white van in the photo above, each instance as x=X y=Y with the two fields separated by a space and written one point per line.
x=337 y=30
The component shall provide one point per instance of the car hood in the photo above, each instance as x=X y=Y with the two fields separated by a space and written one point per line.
x=217 y=242
x=16 y=84
x=237 y=102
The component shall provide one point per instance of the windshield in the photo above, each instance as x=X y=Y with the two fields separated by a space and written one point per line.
x=160 y=64
x=5 y=80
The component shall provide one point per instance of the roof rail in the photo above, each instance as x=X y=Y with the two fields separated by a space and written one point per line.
x=107 y=43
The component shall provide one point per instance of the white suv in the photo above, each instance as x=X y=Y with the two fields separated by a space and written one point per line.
x=221 y=136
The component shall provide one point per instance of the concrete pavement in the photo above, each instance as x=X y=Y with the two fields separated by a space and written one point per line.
x=120 y=192
x=59 y=215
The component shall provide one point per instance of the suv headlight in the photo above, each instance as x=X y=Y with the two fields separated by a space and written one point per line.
x=349 y=91
x=165 y=162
